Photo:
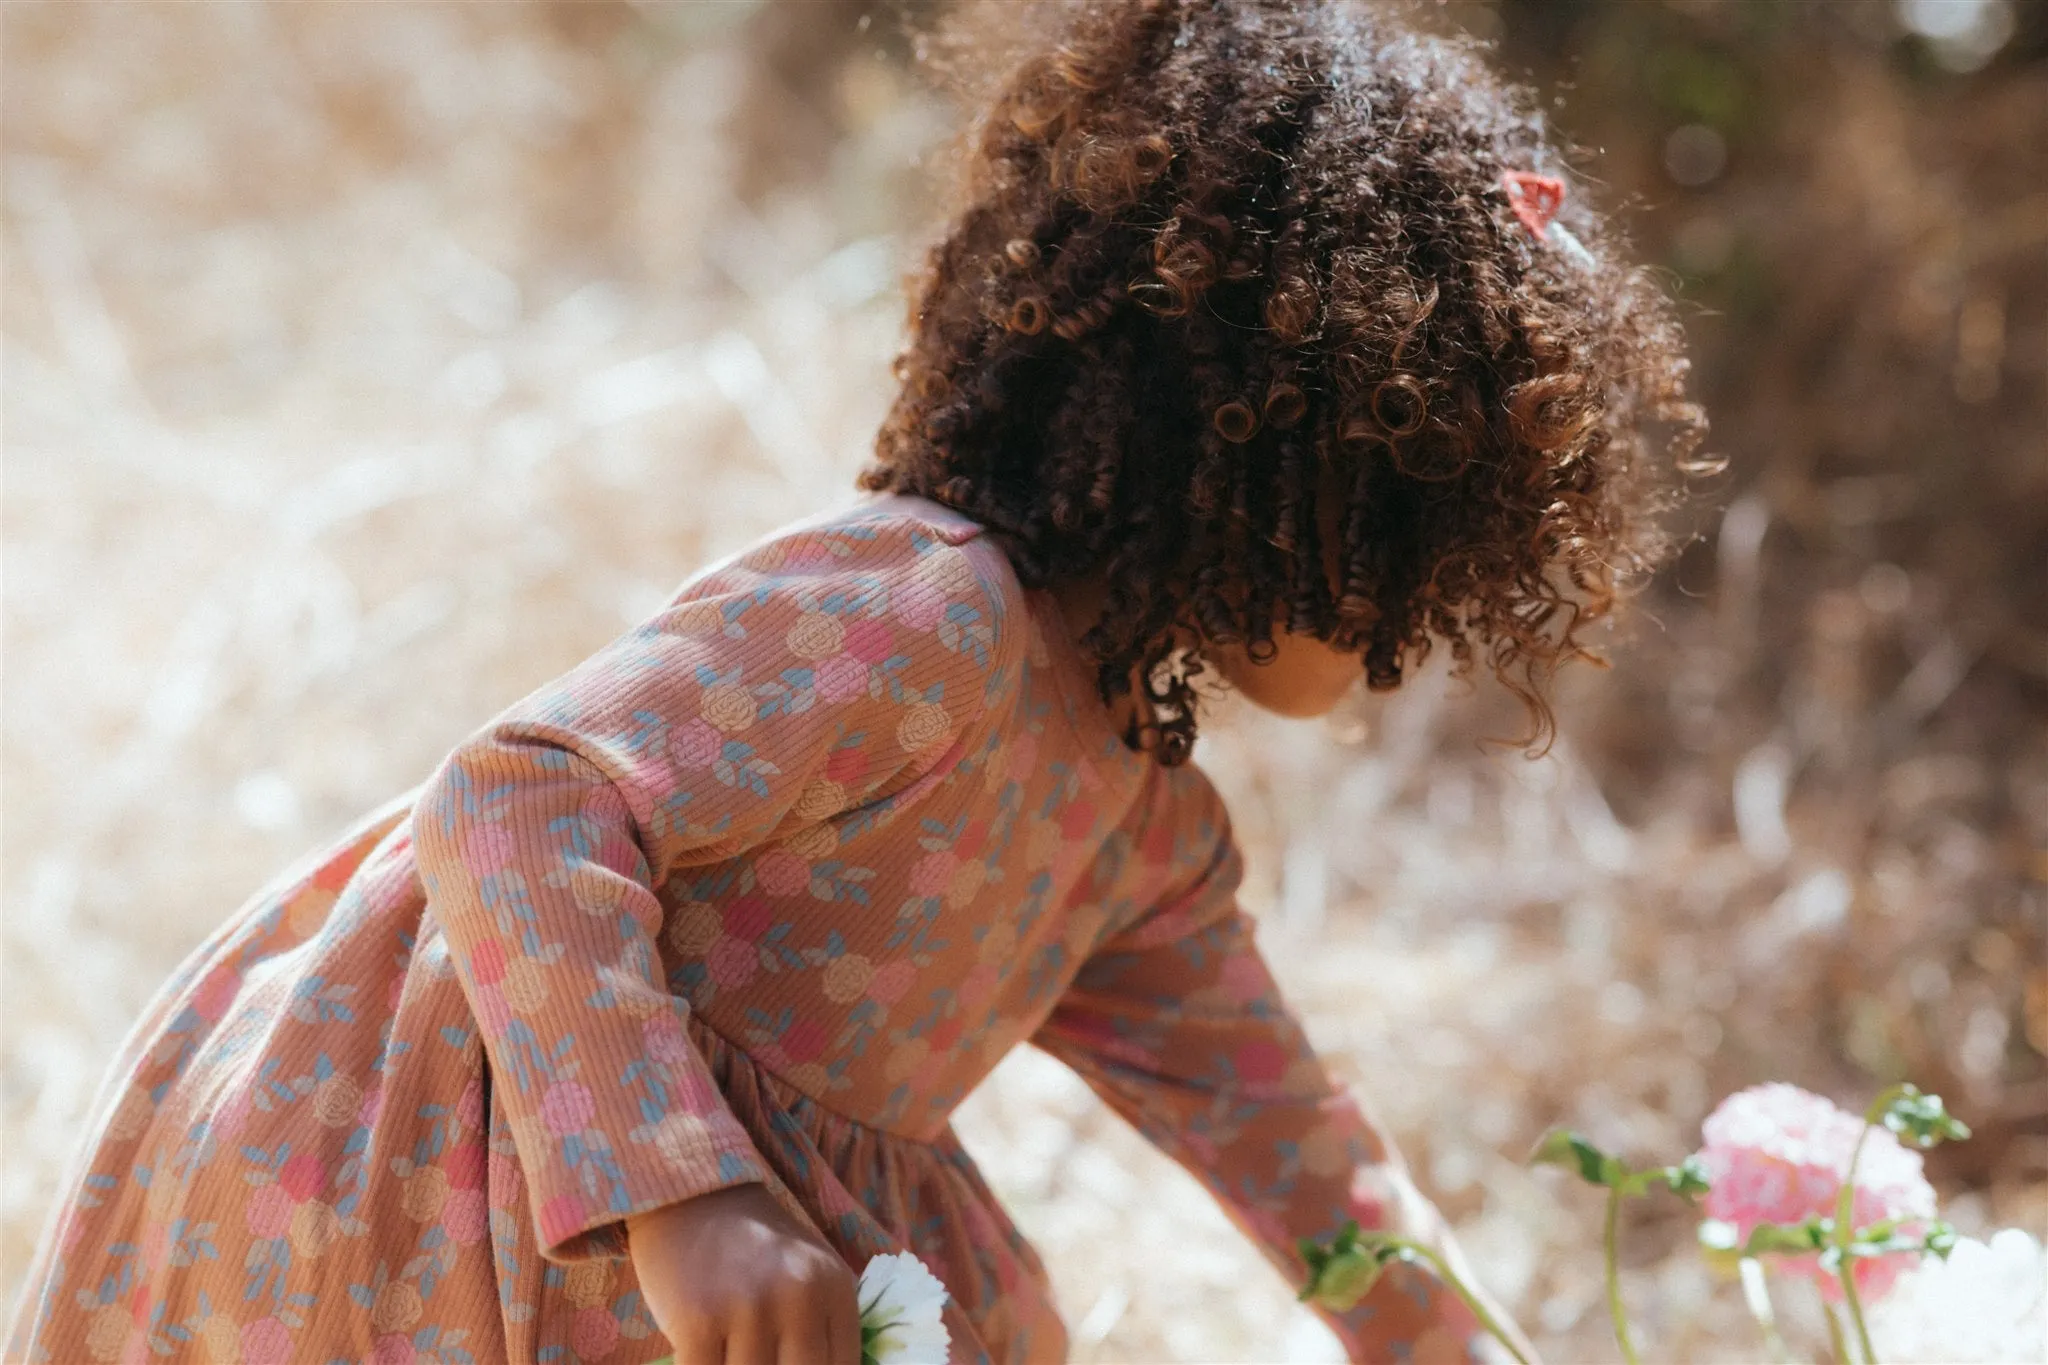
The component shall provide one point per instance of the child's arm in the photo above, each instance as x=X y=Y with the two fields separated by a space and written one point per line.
x=1176 y=1022
x=822 y=671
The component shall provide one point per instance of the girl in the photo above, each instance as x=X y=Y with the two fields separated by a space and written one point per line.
x=1263 y=346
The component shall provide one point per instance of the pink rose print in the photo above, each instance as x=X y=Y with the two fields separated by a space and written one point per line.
x=156 y=1246
x=695 y=743
x=918 y=604
x=748 y=917
x=696 y=1091
x=1268 y=1225
x=217 y=993
x=1023 y=757
x=870 y=640
x=805 y=1041
x=664 y=1039
x=227 y=1125
x=781 y=873
x=561 y=1217
x=506 y=1184
x=487 y=963
x=393 y=1348
x=492 y=1011
x=470 y=1108
x=373 y=1104
x=805 y=557
x=464 y=1167
x=489 y=849
x=1078 y=820
x=978 y=986
x=733 y=962
x=1367 y=1199
x=621 y=856
x=303 y=1176
x=567 y=1107
x=840 y=678
x=946 y=1035
x=926 y=1077
x=270 y=1211
x=595 y=1334
x=932 y=873
x=889 y=982
x=464 y=1217
x=1244 y=978
x=846 y=765
x=266 y=1341
x=1261 y=1062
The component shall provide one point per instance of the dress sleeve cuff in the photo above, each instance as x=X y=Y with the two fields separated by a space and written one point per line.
x=680 y=1140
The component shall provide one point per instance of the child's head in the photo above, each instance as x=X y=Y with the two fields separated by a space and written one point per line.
x=1237 y=318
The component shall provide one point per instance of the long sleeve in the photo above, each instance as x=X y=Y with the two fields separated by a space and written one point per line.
x=829 y=671
x=1175 y=1021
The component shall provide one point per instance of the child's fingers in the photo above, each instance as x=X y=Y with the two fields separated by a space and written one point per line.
x=750 y=1339
x=842 y=1330
x=803 y=1340
x=702 y=1345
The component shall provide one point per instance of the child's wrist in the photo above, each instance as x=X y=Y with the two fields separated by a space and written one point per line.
x=727 y=1201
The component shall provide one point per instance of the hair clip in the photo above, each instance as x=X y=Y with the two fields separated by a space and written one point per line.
x=1535 y=200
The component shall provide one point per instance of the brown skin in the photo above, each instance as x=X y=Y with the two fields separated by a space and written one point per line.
x=732 y=1278
x=1306 y=677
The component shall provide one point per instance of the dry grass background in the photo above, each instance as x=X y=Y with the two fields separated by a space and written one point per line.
x=367 y=366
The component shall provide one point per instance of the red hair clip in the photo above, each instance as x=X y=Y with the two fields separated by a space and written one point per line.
x=1535 y=200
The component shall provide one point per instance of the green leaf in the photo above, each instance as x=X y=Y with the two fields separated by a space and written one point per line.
x=1792 y=1238
x=1344 y=1279
x=1941 y=1240
x=1923 y=1119
x=1561 y=1147
x=1687 y=1179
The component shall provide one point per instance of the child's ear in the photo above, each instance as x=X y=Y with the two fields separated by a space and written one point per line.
x=1304 y=678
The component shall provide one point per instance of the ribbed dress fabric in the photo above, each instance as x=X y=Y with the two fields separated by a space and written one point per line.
x=758 y=892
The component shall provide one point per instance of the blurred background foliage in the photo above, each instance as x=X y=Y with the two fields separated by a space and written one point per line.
x=367 y=366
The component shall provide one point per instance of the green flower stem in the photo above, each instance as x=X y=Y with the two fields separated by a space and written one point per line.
x=1614 y=1308
x=1450 y=1277
x=1845 y=1223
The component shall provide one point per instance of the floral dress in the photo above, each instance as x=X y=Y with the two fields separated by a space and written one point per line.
x=759 y=892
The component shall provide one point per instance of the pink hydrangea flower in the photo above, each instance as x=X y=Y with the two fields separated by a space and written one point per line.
x=1778 y=1154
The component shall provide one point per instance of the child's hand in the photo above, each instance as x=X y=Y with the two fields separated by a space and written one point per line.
x=733 y=1279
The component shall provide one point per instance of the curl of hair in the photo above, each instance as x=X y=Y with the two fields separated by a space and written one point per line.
x=1233 y=315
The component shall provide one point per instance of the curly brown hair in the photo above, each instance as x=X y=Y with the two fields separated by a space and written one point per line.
x=1237 y=315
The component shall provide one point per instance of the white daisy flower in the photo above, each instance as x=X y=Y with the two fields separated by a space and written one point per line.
x=1984 y=1304
x=900 y=1304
